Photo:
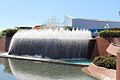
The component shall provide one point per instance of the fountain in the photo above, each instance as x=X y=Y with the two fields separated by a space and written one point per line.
x=51 y=43
x=29 y=49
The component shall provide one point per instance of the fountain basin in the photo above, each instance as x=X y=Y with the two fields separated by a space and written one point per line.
x=76 y=62
x=34 y=70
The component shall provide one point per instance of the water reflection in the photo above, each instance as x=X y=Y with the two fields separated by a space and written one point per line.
x=5 y=72
x=32 y=70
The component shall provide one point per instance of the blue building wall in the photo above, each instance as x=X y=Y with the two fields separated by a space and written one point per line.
x=94 y=24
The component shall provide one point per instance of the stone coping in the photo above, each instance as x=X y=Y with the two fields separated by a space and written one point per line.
x=113 y=49
x=100 y=73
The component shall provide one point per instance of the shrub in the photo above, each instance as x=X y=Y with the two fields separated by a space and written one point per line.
x=110 y=33
x=105 y=61
x=8 y=32
x=114 y=29
x=68 y=27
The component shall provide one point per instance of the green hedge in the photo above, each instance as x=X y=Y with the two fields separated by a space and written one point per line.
x=105 y=61
x=114 y=29
x=110 y=33
x=8 y=32
x=68 y=27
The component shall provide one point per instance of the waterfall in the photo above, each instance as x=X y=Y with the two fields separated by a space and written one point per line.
x=51 y=43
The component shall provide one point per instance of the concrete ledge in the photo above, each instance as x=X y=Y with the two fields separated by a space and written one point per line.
x=113 y=49
x=100 y=72
x=57 y=61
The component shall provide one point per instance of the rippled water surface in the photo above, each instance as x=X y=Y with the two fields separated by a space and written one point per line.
x=13 y=69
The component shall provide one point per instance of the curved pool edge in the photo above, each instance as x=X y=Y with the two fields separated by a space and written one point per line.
x=64 y=62
x=99 y=73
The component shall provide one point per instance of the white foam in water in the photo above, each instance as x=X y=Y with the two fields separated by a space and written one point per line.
x=54 y=34
x=51 y=43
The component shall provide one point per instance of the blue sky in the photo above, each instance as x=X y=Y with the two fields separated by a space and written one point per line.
x=33 y=12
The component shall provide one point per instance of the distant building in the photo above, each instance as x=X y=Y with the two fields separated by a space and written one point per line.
x=90 y=23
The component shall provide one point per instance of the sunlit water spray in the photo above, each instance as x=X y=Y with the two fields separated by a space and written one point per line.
x=51 y=43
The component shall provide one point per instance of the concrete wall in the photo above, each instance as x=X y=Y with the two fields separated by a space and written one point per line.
x=101 y=45
x=4 y=44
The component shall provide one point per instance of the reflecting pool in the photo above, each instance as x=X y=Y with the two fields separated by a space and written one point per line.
x=14 y=69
